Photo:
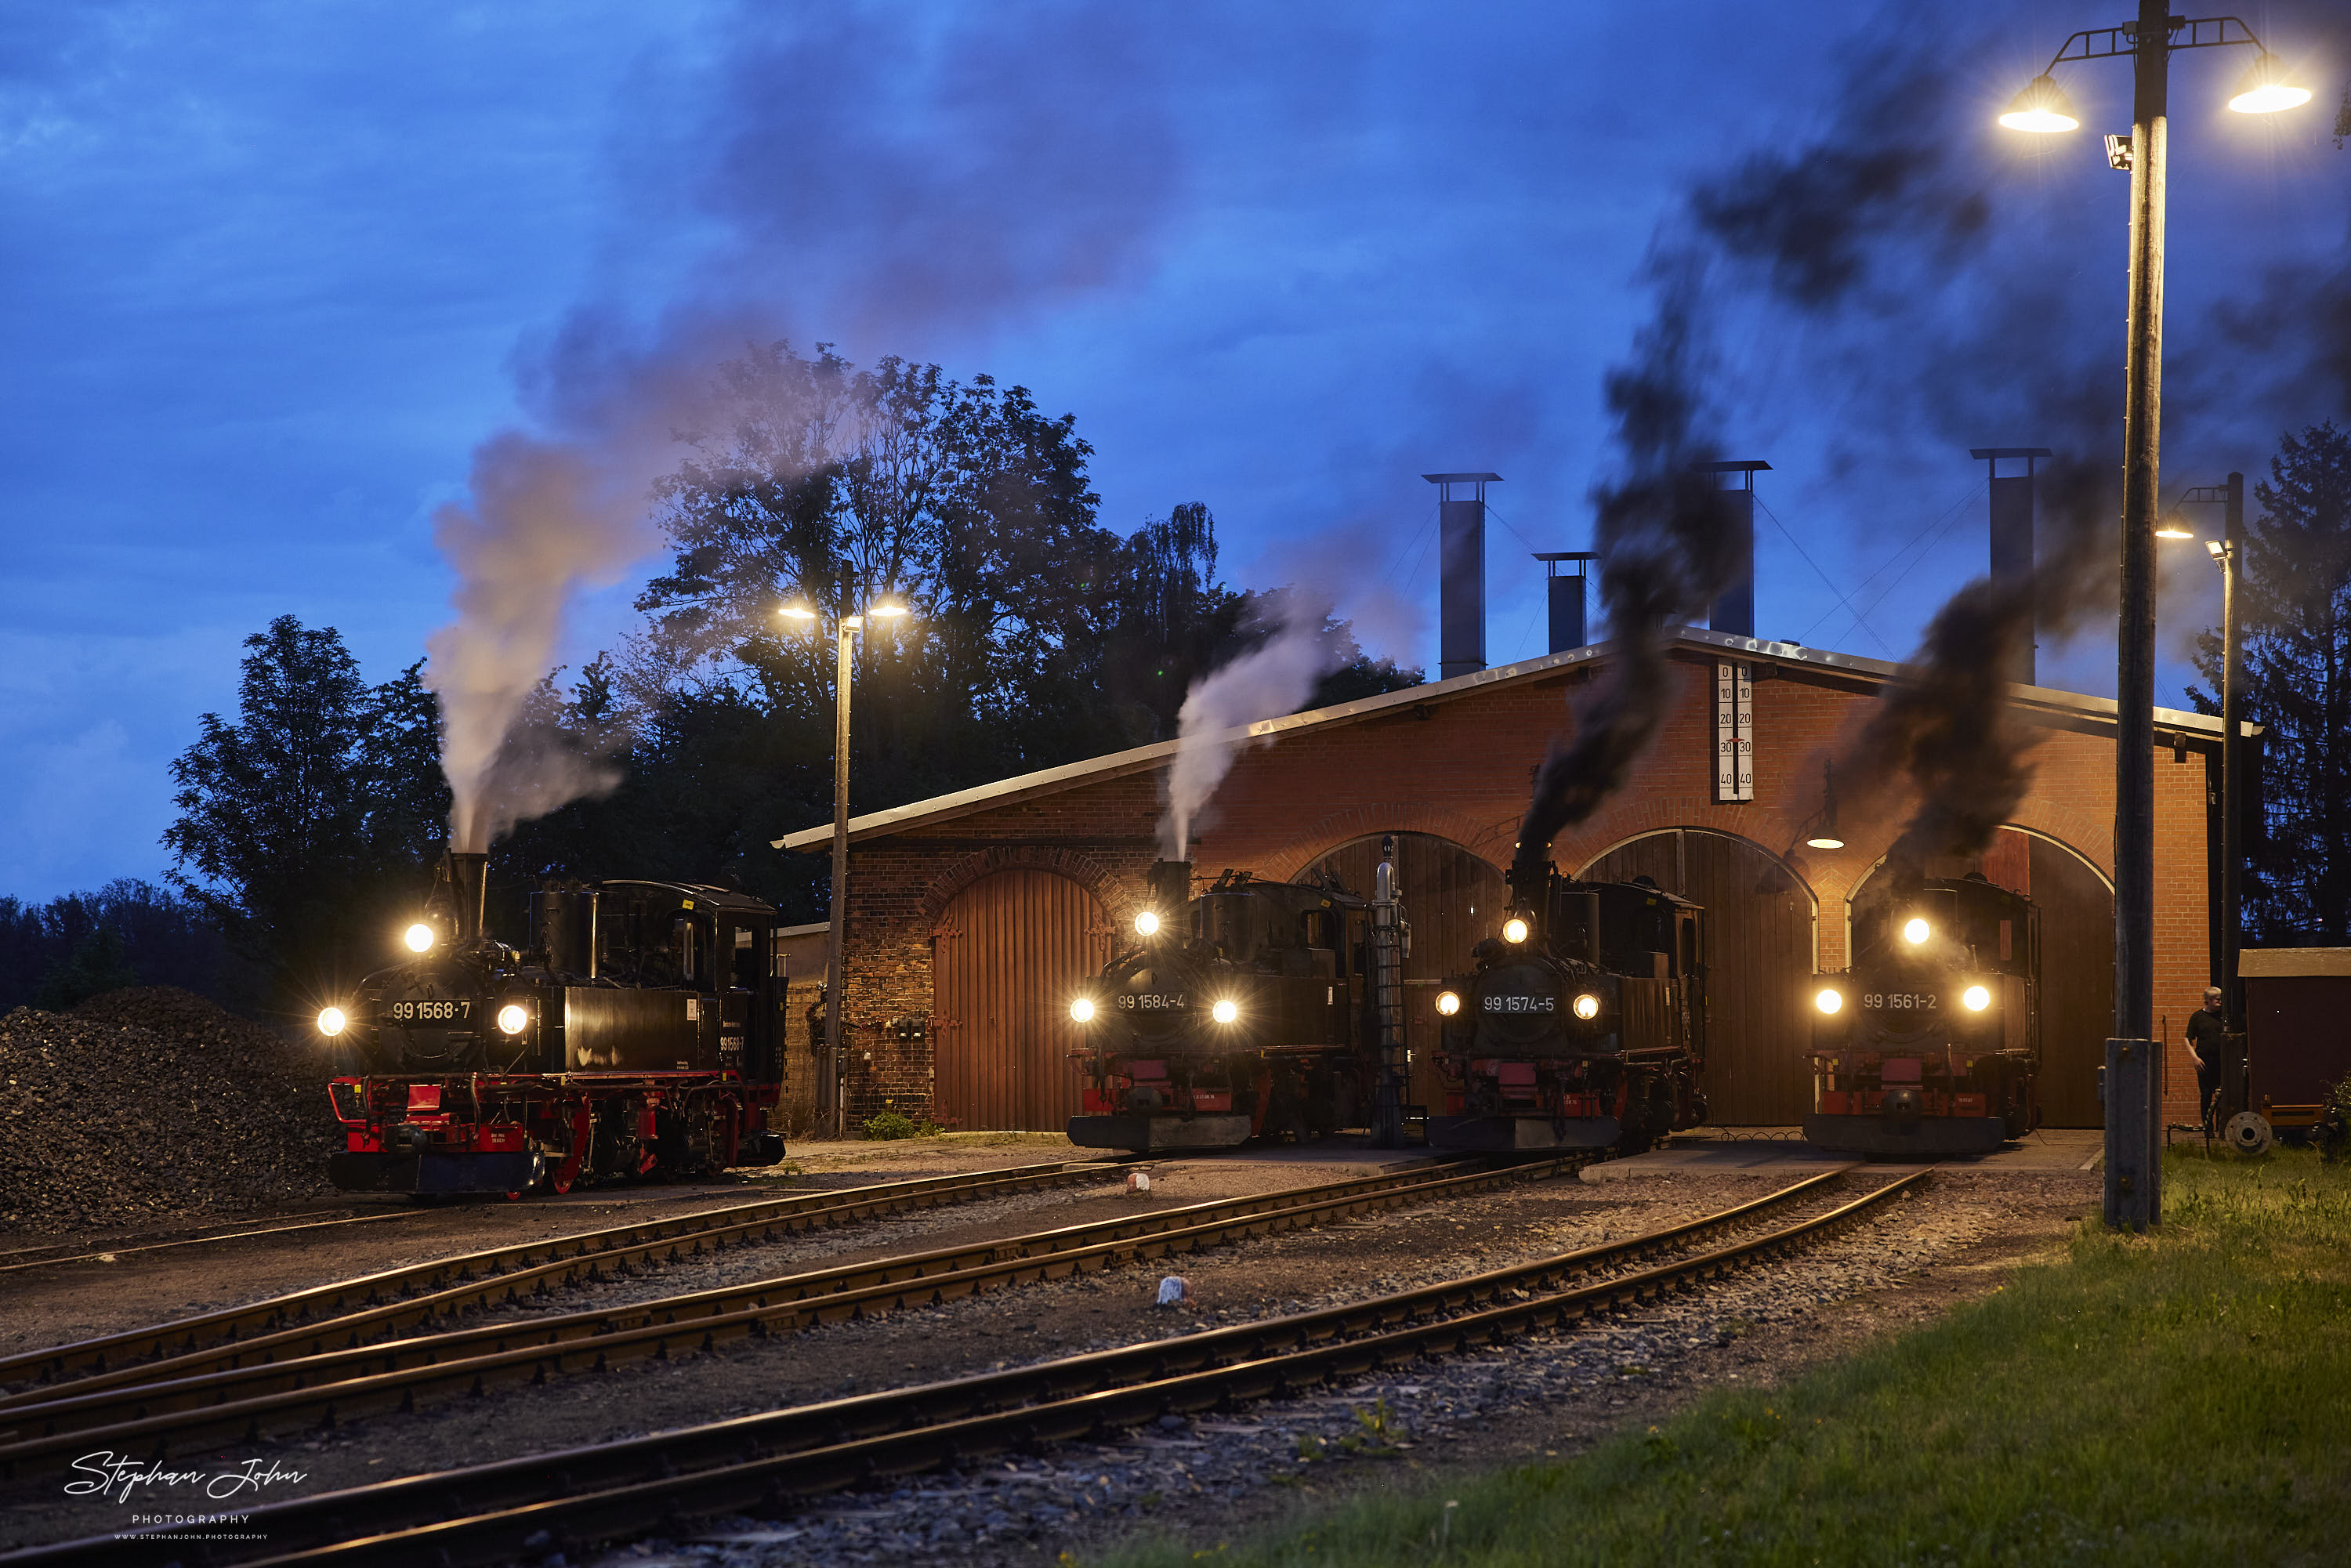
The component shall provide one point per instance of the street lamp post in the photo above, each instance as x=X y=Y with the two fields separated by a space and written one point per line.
x=2133 y=1081
x=836 y=938
x=2227 y=553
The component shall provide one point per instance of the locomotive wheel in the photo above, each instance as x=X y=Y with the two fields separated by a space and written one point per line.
x=2248 y=1133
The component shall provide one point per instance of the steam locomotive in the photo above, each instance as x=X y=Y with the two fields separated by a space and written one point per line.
x=638 y=1035
x=1582 y=1026
x=1242 y=1012
x=1929 y=1044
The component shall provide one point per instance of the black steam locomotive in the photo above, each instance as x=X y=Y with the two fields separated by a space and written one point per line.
x=638 y=1035
x=1583 y=1025
x=1929 y=1044
x=1242 y=1012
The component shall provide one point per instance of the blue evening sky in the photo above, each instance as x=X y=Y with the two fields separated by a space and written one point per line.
x=270 y=270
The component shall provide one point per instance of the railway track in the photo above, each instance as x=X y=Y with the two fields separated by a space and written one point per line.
x=173 y=1408
x=521 y=1508
x=59 y=1254
x=392 y=1298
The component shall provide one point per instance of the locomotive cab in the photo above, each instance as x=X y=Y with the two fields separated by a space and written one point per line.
x=1929 y=1045
x=1582 y=1024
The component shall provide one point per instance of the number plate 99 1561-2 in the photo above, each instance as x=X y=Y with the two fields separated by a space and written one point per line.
x=1902 y=1001
x=430 y=1012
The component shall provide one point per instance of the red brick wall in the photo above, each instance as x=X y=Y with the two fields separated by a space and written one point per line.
x=1460 y=768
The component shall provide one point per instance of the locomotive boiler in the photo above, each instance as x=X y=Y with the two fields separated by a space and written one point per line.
x=637 y=1035
x=1244 y=1011
x=1580 y=1025
x=1929 y=1044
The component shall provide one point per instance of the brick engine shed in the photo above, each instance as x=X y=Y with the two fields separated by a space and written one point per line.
x=971 y=915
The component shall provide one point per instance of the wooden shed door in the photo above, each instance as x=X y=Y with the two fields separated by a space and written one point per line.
x=1759 y=962
x=1008 y=952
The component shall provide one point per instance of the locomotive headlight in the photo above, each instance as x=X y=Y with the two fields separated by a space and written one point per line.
x=1587 y=1006
x=1146 y=923
x=419 y=938
x=1976 y=997
x=1515 y=929
x=1449 y=1003
x=514 y=1018
x=1082 y=1010
x=1226 y=1012
x=331 y=1022
x=1914 y=931
x=1829 y=1000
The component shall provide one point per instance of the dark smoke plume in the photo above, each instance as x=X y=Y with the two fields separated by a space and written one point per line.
x=1665 y=554
x=1944 y=731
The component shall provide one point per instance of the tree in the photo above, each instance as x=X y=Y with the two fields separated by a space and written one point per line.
x=2294 y=606
x=303 y=825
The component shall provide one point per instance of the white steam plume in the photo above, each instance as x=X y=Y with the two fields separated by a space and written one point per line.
x=902 y=180
x=1274 y=678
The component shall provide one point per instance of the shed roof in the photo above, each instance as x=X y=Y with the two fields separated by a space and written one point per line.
x=2283 y=963
x=2041 y=700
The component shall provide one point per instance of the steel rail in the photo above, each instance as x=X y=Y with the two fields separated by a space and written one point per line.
x=14 y=1262
x=517 y=1509
x=479 y=1278
x=249 y=1403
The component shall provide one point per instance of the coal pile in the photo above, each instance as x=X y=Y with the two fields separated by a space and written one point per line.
x=153 y=1103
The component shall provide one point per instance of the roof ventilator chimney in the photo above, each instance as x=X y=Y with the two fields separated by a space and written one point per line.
x=2011 y=535
x=1461 y=593
x=1566 y=583
x=1734 y=611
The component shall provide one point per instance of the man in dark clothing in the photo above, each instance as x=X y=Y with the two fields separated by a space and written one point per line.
x=2208 y=1047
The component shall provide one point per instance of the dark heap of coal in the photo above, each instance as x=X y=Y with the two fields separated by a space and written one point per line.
x=151 y=1105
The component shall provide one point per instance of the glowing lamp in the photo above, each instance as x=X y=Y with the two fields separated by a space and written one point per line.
x=1515 y=929
x=1449 y=1003
x=888 y=609
x=2043 y=107
x=1082 y=1010
x=2265 y=89
x=2215 y=549
x=419 y=938
x=2173 y=527
x=797 y=612
x=1146 y=923
x=1824 y=842
x=1588 y=1007
x=514 y=1018
x=1976 y=997
x=1226 y=1012
x=1829 y=1000
x=331 y=1022
x=1914 y=931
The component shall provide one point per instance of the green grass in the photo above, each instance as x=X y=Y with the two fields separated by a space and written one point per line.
x=2183 y=1397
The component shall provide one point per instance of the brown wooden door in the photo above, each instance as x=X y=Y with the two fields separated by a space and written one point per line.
x=1451 y=898
x=1009 y=953
x=1759 y=961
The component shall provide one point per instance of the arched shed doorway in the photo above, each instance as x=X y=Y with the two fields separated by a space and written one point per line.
x=2077 y=960
x=1760 y=959
x=1007 y=952
x=1451 y=898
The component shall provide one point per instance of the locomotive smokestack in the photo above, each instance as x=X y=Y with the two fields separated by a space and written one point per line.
x=1734 y=607
x=1461 y=594
x=469 y=891
x=2012 y=538
x=1170 y=882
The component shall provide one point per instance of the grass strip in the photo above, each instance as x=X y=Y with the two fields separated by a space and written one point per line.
x=2179 y=1398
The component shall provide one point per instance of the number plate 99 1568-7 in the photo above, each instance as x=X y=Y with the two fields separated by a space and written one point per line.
x=430 y=1012
x=1902 y=1001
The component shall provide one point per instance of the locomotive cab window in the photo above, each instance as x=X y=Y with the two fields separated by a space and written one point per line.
x=745 y=959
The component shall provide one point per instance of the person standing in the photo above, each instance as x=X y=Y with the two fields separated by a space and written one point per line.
x=2208 y=1047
